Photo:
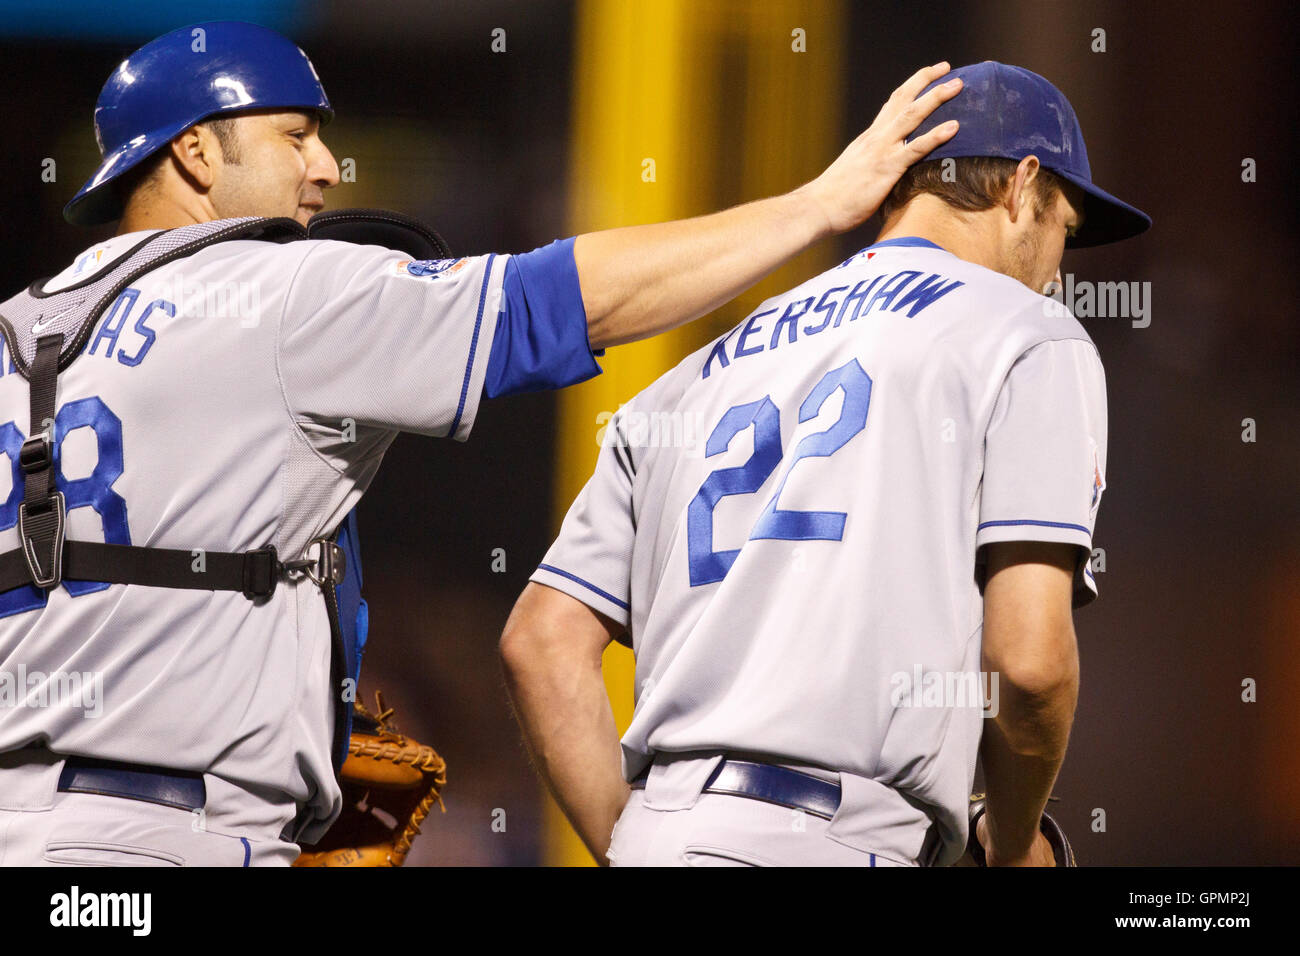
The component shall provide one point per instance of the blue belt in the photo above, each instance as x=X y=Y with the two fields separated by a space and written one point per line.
x=769 y=783
x=169 y=788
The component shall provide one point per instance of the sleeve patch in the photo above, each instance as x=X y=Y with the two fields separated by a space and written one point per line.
x=428 y=268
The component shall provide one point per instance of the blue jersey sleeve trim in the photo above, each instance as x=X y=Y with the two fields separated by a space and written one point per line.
x=1042 y=524
x=541 y=338
x=586 y=584
x=473 y=347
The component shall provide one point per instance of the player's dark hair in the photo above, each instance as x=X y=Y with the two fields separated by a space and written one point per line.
x=142 y=177
x=970 y=183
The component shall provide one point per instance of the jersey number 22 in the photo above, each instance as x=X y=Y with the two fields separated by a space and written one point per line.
x=708 y=566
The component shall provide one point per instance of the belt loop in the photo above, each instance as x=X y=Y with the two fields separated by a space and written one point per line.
x=675 y=781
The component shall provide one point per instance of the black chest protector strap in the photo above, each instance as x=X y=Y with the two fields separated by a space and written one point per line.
x=46 y=557
x=42 y=515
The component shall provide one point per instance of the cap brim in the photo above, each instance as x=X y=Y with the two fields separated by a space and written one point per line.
x=1105 y=218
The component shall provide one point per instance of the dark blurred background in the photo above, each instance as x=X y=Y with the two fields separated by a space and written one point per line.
x=505 y=151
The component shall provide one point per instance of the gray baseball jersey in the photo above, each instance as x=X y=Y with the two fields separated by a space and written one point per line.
x=241 y=396
x=790 y=524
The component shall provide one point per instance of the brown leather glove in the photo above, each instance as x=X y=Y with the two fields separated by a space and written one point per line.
x=390 y=783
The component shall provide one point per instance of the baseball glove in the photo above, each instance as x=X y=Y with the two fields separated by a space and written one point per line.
x=1056 y=837
x=386 y=777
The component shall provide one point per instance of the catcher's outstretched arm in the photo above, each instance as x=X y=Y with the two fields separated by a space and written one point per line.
x=551 y=653
x=1029 y=643
x=642 y=280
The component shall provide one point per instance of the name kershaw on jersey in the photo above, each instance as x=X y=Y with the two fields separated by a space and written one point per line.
x=878 y=294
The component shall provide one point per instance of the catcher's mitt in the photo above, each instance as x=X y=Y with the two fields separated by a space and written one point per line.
x=1056 y=837
x=385 y=772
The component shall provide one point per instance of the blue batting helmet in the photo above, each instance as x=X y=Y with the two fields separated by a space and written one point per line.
x=183 y=78
x=1009 y=112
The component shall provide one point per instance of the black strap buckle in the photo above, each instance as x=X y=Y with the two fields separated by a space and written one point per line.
x=37 y=453
x=41 y=526
x=261 y=572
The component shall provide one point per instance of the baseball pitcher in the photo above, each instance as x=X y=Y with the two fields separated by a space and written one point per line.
x=845 y=532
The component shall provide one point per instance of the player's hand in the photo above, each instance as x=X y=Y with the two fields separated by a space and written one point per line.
x=852 y=188
x=1040 y=851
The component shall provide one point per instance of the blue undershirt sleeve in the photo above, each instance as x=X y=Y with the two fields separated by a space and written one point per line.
x=541 y=334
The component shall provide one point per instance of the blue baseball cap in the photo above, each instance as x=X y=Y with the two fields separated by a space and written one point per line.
x=1009 y=112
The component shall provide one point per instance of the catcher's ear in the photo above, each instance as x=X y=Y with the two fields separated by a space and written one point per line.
x=195 y=151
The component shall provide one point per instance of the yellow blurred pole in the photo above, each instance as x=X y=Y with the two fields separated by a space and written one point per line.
x=650 y=83
x=636 y=88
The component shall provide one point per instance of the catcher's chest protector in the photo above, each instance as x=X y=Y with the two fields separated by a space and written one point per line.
x=46 y=333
